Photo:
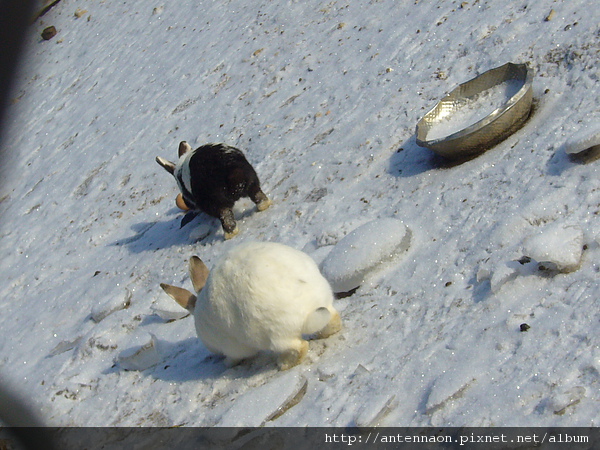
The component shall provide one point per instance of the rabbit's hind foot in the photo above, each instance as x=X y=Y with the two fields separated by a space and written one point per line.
x=294 y=355
x=334 y=325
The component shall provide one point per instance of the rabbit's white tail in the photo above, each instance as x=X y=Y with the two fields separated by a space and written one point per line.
x=316 y=321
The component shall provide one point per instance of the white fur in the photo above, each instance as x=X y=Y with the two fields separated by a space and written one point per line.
x=258 y=297
x=264 y=296
x=183 y=167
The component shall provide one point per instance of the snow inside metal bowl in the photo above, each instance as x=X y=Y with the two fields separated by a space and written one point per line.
x=478 y=114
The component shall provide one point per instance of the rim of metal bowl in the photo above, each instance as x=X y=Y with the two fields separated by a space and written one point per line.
x=475 y=139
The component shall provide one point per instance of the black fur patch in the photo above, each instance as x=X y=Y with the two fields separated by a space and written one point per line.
x=219 y=176
x=188 y=218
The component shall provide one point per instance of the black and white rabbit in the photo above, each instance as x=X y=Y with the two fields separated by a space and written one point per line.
x=212 y=178
x=260 y=296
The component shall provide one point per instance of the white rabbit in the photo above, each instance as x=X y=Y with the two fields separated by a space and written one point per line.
x=259 y=296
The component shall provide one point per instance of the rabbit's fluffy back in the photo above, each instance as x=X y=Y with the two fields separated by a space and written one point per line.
x=258 y=297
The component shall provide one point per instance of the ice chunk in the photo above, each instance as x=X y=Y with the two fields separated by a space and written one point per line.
x=503 y=274
x=375 y=410
x=556 y=243
x=141 y=354
x=104 y=309
x=267 y=402
x=169 y=310
x=483 y=273
x=361 y=251
x=586 y=140
x=563 y=402
x=65 y=346
x=450 y=386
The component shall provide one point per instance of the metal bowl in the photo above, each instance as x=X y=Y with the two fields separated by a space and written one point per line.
x=478 y=114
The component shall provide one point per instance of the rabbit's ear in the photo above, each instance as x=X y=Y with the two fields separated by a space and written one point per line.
x=198 y=273
x=184 y=147
x=167 y=165
x=182 y=296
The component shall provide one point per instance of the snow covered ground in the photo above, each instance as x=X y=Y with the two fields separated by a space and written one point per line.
x=323 y=97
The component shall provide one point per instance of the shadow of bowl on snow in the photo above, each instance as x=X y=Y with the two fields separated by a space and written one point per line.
x=411 y=160
x=160 y=235
x=559 y=162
